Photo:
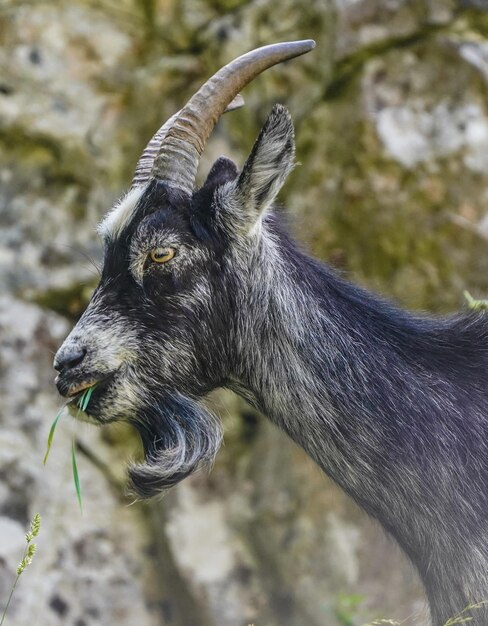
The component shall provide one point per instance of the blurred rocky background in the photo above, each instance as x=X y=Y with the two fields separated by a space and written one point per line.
x=391 y=114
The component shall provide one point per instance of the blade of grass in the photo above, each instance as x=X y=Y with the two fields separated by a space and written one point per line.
x=76 y=478
x=86 y=397
x=79 y=401
x=51 y=434
x=82 y=404
x=475 y=305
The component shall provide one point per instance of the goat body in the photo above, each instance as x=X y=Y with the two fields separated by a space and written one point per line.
x=204 y=289
x=393 y=407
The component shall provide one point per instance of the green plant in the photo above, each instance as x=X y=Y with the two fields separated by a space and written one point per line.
x=346 y=608
x=29 y=552
x=76 y=478
x=475 y=305
x=82 y=402
x=462 y=618
x=51 y=433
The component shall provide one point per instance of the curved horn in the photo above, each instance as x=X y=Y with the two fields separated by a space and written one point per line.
x=177 y=160
x=145 y=164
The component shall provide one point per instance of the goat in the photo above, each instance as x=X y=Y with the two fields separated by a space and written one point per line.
x=203 y=289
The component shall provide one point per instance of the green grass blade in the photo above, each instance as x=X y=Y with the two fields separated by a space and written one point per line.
x=475 y=305
x=81 y=399
x=76 y=478
x=82 y=404
x=86 y=397
x=51 y=434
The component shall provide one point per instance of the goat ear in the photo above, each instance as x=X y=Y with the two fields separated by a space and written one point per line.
x=222 y=171
x=266 y=169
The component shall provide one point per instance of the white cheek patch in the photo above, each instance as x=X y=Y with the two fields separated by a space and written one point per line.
x=122 y=400
x=119 y=216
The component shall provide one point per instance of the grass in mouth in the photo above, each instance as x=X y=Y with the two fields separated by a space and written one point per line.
x=82 y=404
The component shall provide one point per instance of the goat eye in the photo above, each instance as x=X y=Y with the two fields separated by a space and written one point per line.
x=162 y=255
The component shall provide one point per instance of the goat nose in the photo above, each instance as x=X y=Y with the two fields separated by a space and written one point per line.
x=68 y=358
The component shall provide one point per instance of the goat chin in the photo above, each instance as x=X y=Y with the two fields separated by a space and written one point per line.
x=178 y=436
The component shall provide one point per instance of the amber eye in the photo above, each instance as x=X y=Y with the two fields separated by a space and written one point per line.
x=162 y=255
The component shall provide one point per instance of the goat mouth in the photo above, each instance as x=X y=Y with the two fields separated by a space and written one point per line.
x=84 y=399
x=74 y=390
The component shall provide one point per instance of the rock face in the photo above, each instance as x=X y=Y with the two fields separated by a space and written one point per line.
x=392 y=133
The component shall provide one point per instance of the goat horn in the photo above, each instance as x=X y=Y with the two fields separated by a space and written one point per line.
x=178 y=156
x=145 y=164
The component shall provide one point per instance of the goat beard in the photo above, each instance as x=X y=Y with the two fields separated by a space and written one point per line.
x=178 y=436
